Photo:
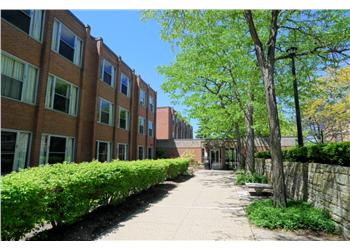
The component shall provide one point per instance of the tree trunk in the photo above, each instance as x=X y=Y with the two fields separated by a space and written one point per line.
x=279 y=190
x=267 y=65
x=250 y=137
x=239 y=157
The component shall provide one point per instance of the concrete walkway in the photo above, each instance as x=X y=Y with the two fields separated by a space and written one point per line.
x=205 y=207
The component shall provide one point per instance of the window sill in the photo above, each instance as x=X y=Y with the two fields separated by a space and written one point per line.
x=16 y=100
x=61 y=112
x=104 y=83
x=101 y=123
x=66 y=59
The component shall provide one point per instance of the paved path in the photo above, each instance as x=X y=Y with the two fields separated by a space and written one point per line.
x=205 y=207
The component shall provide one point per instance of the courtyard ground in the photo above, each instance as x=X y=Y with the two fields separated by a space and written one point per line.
x=206 y=207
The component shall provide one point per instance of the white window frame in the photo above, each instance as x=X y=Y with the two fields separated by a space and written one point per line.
x=103 y=62
x=48 y=146
x=49 y=101
x=148 y=127
x=111 y=108
x=14 y=167
x=139 y=125
x=127 y=118
x=30 y=33
x=109 y=149
x=58 y=39
x=142 y=101
x=25 y=73
x=121 y=80
x=138 y=152
x=126 y=151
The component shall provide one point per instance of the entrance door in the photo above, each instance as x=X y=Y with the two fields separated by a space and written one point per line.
x=215 y=162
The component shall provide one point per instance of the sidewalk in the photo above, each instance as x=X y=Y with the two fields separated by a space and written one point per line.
x=206 y=207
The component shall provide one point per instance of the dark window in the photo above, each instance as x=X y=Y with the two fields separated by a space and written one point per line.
x=122 y=152
x=141 y=125
x=124 y=85
x=57 y=149
x=61 y=98
x=11 y=87
x=104 y=109
x=150 y=128
x=107 y=73
x=19 y=18
x=150 y=156
x=141 y=153
x=67 y=41
x=123 y=116
x=102 y=155
x=8 y=146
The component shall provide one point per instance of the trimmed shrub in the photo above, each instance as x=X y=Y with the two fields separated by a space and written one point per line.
x=337 y=153
x=297 y=215
x=62 y=193
x=242 y=177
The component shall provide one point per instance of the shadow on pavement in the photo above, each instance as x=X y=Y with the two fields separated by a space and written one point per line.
x=104 y=219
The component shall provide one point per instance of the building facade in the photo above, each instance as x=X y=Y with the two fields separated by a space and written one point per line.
x=170 y=125
x=65 y=96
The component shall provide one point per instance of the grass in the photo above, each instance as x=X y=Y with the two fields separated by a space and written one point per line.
x=242 y=177
x=297 y=215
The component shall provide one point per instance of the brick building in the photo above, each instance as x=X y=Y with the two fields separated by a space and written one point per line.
x=66 y=96
x=170 y=125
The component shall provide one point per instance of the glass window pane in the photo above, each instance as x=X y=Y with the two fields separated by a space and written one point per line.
x=103 y=151
x=66 y=51
x=68 y=37
x=57 y=149
x=11 y=87
x=107 y=78
x=19 y=18
x=8 y=146
x=104 y=117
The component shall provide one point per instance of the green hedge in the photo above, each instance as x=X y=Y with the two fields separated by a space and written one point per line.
x=62 y=193
x=330 y=153
x=242 y=177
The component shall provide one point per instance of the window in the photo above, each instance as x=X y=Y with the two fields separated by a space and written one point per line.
x=125 y=85
x=150 y=153
x=103 y=151
x=150 y=128
x=18 y=79
x=61 y=95
x=56 y=149
x=14 y=150
x=107 y=72
x=151 y=104
x=122 y=152
x=105 y=112
x=141 y=125
x=142 y=100
x=29 y=21
x=123 y=118
x=140 y=153
x=66 y=43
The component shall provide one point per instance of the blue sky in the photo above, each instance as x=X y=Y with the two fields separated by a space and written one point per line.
x=137 y=42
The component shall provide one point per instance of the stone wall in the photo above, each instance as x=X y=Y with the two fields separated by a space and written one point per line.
x=326 y=186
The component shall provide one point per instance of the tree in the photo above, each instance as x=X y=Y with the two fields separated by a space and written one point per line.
x=230 y=47
x=327 y=112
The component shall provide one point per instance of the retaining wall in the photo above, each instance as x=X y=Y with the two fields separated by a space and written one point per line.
x=326 y=186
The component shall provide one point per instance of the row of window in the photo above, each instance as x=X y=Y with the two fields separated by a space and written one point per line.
x=65 y=43
x=105 y=116
x=15 y=150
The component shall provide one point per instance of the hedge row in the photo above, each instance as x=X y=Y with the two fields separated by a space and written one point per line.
x=330 y=153
x=62 y=193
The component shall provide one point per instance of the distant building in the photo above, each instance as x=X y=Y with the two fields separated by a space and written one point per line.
x=170 y=125
x=215 y=153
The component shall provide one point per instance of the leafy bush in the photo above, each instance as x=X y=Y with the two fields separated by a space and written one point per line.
x=242 y=177
x=337 y=153
x=297 y=215
x=263 y=154
x=62 y=193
